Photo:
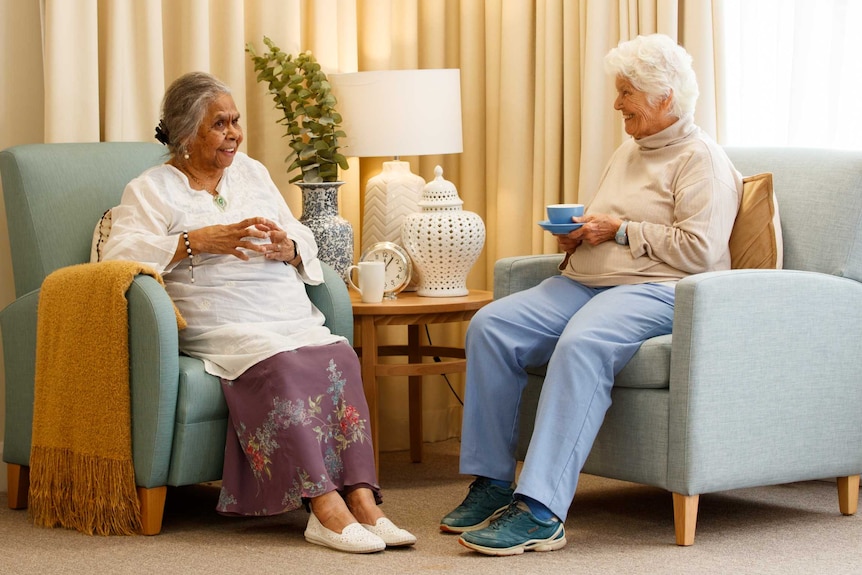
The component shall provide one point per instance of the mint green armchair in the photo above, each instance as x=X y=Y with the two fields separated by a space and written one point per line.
x=54 y=196
x=760 y=382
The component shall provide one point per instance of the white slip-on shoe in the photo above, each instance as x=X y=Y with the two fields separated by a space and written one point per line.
x=353 y=539
x=391 y=534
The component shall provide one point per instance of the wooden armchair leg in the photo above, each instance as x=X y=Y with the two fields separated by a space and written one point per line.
x=848 y=494
x=152 y=508
x=685 y=517
x=152 y=500
x=18 y=479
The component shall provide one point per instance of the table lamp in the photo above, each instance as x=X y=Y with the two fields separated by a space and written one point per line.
x=393 y=113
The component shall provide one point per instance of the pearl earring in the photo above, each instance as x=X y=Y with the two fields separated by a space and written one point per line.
x=186 y=156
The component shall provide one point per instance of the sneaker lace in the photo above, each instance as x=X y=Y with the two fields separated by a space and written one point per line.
x=477 y=490
x=510 y=515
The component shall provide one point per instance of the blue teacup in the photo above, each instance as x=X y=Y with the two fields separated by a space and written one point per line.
x=563 y=213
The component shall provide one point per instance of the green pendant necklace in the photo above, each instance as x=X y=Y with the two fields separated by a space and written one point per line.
x=218 y=199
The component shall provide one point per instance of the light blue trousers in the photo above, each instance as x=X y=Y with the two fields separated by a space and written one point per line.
x=585 y=335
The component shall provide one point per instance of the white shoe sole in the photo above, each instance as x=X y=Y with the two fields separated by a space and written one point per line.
x=532 y=545
x=476 y=527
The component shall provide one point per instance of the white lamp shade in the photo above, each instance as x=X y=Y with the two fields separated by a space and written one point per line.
x=399 y=112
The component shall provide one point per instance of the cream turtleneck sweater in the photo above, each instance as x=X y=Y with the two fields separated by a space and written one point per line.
x=680 y=194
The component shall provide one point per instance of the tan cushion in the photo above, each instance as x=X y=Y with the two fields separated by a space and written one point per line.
x=755 y=241
x=100 y=236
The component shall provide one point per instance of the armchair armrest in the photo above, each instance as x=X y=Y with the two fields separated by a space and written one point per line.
x=18 y=325
x=332 y=298
x=518 y=273
x=764 y=380
x=153 y=378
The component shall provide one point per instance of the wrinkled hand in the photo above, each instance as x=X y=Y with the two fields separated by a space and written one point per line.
x=567 y=243
x=281 y=247
x=597 y=228
x=228 y=239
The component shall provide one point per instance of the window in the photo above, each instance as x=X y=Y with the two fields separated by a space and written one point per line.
x=794 y=73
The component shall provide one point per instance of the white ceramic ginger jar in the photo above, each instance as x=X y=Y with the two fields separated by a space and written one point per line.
x=443 y=240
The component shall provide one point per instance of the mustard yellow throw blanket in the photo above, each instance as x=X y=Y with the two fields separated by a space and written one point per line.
x=81 y=470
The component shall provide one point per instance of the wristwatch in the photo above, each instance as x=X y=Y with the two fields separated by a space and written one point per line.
x=621 y=237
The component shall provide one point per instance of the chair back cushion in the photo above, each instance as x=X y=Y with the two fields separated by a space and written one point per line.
x=755 y=240
x=55 y=194
x=819 y=197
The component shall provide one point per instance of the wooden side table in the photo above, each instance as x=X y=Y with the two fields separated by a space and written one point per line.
x=415 y=312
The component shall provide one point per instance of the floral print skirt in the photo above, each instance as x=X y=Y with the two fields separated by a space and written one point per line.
x=298 y=427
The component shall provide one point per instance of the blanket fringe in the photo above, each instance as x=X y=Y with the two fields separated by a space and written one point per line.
x=94 y=495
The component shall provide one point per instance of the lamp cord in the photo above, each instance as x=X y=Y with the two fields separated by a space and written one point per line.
x=438 y=360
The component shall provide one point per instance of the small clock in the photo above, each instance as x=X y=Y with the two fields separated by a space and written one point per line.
x=398 y=266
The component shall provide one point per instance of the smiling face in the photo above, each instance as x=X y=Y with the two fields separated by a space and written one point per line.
x=641 y=117
x=214 y=146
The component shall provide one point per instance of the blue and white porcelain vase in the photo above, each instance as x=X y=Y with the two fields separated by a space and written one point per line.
x=333 y=234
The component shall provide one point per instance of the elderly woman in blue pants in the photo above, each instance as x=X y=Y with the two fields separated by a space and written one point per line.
x=663 y=210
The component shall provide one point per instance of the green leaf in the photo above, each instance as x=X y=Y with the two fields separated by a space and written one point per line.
x=302 y=93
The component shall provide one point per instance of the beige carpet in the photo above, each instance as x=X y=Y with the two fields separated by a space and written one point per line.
x=614 y=527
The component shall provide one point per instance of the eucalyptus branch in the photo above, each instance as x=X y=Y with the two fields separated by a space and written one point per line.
x=301 y=91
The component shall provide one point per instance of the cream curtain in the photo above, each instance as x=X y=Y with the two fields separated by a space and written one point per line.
x=108 y=62
x=537 y=107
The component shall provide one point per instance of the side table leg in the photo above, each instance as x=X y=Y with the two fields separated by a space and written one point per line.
x=414 y=356
x=368 y=362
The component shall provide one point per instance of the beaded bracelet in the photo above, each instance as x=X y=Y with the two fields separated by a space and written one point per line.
x=189 y=251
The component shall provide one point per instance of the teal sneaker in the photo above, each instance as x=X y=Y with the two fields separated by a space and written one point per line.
x=484 y=502
x=515 y=531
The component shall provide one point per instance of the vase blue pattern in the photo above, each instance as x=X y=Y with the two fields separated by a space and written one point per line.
x=333 y=234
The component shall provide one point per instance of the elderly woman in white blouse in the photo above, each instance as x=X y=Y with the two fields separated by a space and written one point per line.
x=235 y=260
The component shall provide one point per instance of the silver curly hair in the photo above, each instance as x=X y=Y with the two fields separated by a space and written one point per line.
x=657 y=66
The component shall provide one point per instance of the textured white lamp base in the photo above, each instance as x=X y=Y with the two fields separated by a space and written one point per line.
x=389 y=196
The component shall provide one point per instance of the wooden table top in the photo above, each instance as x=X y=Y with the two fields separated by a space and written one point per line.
x=410 y=303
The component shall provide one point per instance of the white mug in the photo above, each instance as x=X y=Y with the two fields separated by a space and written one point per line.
x=371 y=280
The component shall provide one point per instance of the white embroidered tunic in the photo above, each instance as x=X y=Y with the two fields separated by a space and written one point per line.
x=238 y=312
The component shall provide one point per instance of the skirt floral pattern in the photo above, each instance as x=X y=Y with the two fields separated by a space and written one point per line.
x=297 y=428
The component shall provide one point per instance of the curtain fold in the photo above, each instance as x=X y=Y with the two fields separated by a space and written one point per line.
x=132 y=70
x=537 y=106
x=72 y=103
x=549 y=125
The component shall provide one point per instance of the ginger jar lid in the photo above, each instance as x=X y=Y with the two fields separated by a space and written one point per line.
x=440 y=193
